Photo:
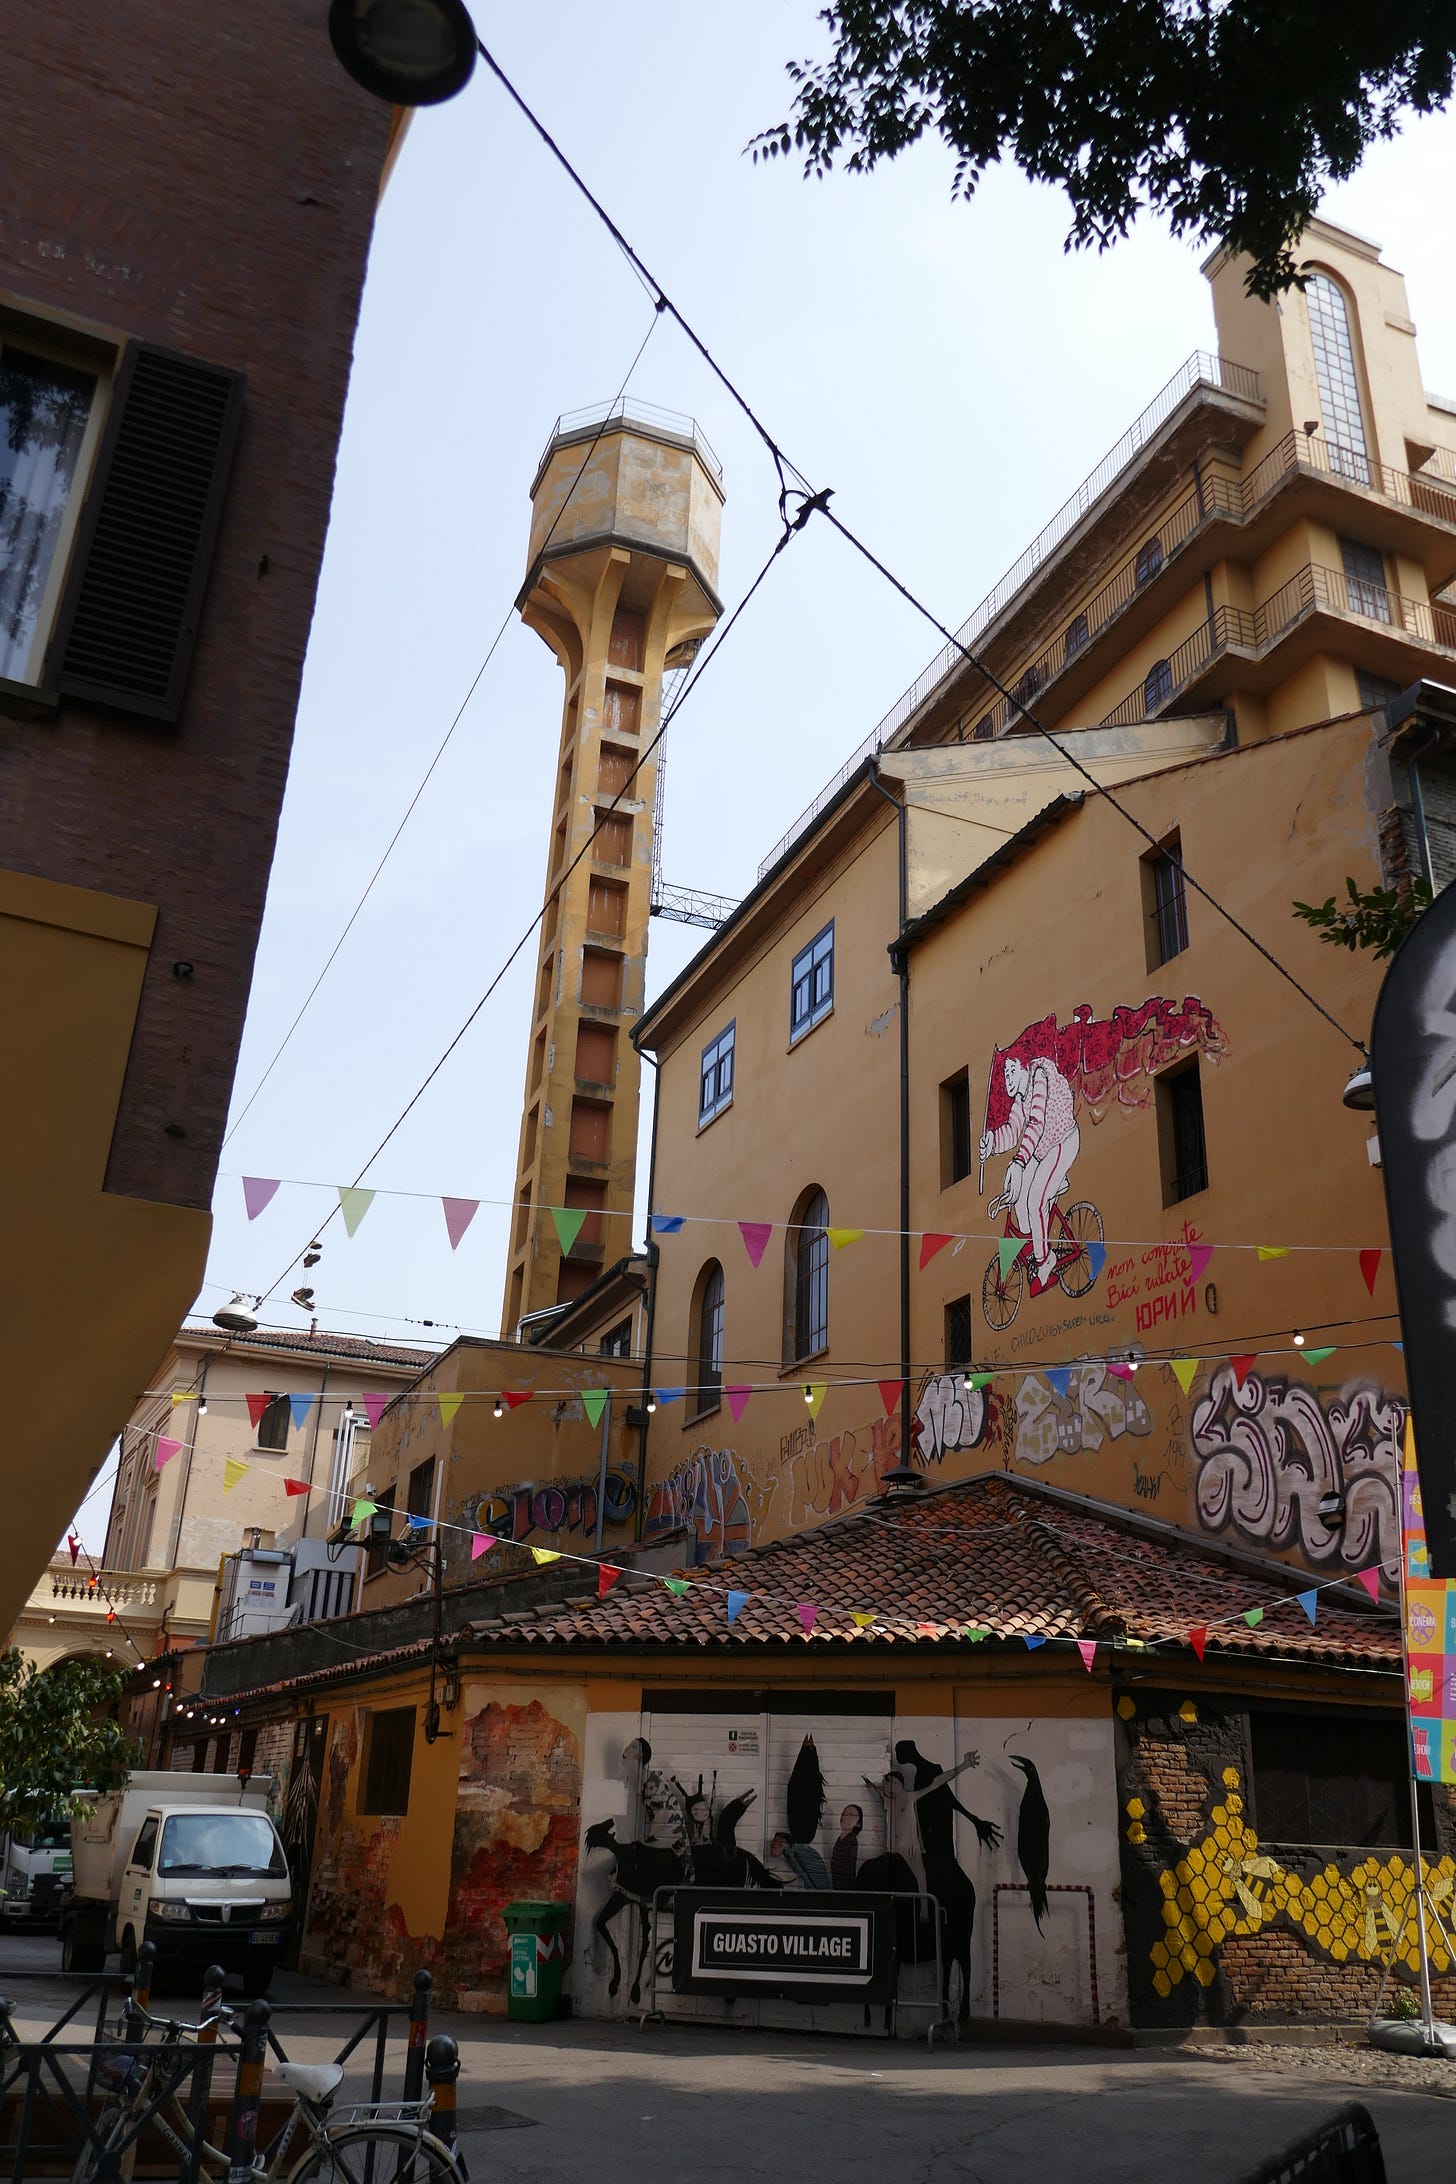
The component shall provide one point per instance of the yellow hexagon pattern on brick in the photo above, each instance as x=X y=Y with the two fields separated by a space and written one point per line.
x=1226 y=1885
x=1136 y=1809
x=1126 y=1707
x=1188 y=1712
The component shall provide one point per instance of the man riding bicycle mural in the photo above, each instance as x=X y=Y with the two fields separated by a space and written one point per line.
x=1041 y=1134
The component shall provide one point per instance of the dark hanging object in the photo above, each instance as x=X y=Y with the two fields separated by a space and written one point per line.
x=805 y=1794
x=1033 y=1839
x=127 y=623
x=1413 y=1061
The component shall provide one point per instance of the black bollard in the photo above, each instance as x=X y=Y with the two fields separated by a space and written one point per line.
x=212 y=1980
x=419 y=2034
x=442 y=2061
x=242 y=2131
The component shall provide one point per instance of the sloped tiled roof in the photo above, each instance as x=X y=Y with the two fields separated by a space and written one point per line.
x=302 y=1344
x=996 y=1553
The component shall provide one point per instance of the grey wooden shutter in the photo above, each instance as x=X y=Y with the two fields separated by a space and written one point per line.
x=129 y=616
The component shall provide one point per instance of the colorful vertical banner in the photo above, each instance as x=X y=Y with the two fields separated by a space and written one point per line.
x=1430 y=1636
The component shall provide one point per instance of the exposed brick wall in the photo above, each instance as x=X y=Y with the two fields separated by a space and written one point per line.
x=1223 y=1929
x=204 y=178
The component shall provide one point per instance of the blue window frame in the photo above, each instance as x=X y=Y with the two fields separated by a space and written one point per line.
x=811 y=983
x=715 y=1078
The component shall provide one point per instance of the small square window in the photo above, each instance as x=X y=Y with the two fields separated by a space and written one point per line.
x=955 y=1129
x=1165 y=902
x=811 y=984
x=617 y=1341
x=715 y=1077
x=275 y=1421
x=1181 y=1145
x=957 y=1333
x=389 y=1750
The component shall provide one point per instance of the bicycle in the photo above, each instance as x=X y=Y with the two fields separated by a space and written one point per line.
x=368 y=2142
x=1070 y=1236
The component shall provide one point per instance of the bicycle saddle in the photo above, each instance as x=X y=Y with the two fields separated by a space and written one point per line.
x=311 y=2081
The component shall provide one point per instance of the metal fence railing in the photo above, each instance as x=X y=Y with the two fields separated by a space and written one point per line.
x=1344 y=2149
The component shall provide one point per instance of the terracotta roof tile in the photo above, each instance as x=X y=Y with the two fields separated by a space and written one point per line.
x=319 y=1345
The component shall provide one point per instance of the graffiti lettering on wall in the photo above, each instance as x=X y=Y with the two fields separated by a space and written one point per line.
x=1270 y=1449
x=1074 y=1410
x=950 y=1416
x=565 y=1505
x=703 y=1496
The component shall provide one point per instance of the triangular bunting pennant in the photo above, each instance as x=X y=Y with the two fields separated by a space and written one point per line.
x=166 y=1450
x=1370 y=1579
x=1034 y=1639
x=755 y=1236
x=975 y=1632
x=1198 y=1639
x=362 y=1511
x=1060 y=1377
x=481 y=1544
x=1097 y=1258
x=666 y=1224
x=354 y=1204
x=1272 y=1251
x=1087 y=1647
x=257 y=1404
x=299 y=1407
x=815 y=1392
x=677 y=1586
x=1120 y=1369
x=841 y=1237
x=296 y=1486
x=1309 y=1601
x=607 y=1577
x=737 y=1602
x=459 y=1213
x=930 y=1243
x=980 y=1380
x=669 y=1395
x=1253 y=1617
x=1317 y=1357
x=1008 y=1250
x=861 y=1618
x=890 y=1395
x=375 y=1407
x=449 y=1404
x=1184 y=1371
x=1243 y=1366
x=75 y=1546
x=258 y=1193
x=418 y=1524
x=1198 y=1258
x=594 y=1402
x=568 y=1220
x=1369 y=1268
x=737 y=1401
x=183 y=1395
x=513 y=1398
x=233 y=1469
x=807 y=1613
x=544 y=1554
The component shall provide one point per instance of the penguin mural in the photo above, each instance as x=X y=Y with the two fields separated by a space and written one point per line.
x=1033 y=1838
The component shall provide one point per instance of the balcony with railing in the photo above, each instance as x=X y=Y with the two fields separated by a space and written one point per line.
x=1253 y=632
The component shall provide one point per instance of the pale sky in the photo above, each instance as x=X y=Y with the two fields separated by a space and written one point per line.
x=946 y=367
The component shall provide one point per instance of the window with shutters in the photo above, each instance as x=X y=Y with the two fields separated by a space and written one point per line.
x=389 y=1750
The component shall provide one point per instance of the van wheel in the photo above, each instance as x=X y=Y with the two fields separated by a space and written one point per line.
x=78 y=1955
x=257 y=1979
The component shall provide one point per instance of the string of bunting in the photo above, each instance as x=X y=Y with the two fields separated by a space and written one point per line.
x=354 y=1203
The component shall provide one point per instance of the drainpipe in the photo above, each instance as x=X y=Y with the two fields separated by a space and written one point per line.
x=900 y=964
x=653 y=1256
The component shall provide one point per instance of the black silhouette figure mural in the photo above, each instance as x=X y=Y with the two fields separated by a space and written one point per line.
x=936 y=1805
x=1034 y=1838
x=804 y=1797
x=638 y=1871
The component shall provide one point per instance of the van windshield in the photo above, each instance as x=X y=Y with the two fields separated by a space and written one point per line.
x=230 y=1843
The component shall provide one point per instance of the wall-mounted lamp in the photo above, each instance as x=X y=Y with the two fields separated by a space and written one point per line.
x=411 y=52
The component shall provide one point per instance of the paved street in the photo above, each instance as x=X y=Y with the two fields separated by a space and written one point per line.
x=581 y=2100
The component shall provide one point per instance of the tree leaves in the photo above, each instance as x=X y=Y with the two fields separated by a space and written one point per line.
x=57 y=1735
x=1377 y=919
x=1227 y=116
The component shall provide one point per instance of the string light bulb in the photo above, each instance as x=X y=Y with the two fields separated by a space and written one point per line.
x=651 y=1406
x=1298 y=1339
x=966 y=1381
x=500 y=1409
x=202 y=1406
x=808 y=1393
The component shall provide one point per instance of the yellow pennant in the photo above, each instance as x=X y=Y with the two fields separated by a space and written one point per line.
x=449 y=1404
x=545 y=1554
x=184 y=1395
x=860 y=1621
x=814 y=1394
x=1184 y=1371
x=233 y=1469
x=1272 y=1251
x=839 y=1237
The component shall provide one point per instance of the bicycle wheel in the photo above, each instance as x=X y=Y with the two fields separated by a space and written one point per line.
x=379 y=2153
x=1075 y=1271
x=1001 y=1293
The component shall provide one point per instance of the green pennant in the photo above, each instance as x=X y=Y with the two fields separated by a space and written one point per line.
x=594 y=1402
x=354 y=1204
x=568 y=1221
x=1253 y=1617
x=677 y=1586
x=362 y=1509
x=1317 y=1357
x=1008 y=1251
x=975 y=1632
x=982 y=1380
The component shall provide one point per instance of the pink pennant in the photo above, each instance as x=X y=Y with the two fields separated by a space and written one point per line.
x=481 y=1544
x=1087 y=1647
x=1370 y=1267
x=808 y=1615
x=1243 y=1366
x=374 y=1408
x=930 y=1243
x=166 y=1450
x=1198 y=1258
x=1198 y=1639
x=737 y=1401
x=890 y=1395
x=1370 y=1579
x=459 y=1213
x=1121 y=1369
x=258 y=1192
x=755 y=1236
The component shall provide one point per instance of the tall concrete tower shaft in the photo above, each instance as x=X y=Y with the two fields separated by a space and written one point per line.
x=622 y=585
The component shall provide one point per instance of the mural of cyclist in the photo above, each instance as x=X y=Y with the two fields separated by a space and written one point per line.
x=1041 y=1135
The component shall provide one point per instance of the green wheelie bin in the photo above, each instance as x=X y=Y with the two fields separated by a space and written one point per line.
x=538 y=1958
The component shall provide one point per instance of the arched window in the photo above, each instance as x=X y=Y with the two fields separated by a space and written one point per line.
x=1158 y=686
x=1339 y=385
x=1149 y=560
x=708 y=1332
x=806 y=1315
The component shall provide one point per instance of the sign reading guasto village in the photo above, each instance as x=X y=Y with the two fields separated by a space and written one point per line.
x=836 y=1951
